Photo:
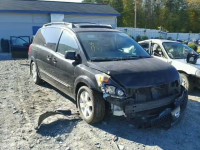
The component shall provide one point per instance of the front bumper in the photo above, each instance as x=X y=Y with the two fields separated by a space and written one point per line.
x=154 y=112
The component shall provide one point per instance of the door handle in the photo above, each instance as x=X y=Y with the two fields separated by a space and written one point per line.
x=54 y=60
x=48 y=57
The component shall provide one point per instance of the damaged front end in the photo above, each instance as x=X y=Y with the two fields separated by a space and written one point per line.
x=150 y=105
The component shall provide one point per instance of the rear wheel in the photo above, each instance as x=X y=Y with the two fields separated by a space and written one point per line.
x=186 y=82
x=34 y=73
x=91 y=105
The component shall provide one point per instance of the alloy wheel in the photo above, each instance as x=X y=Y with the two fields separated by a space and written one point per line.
x=86 y=105
x=184 y=83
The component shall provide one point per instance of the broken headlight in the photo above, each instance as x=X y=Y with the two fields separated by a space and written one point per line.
x=120 y=92
x=103 y=81
x=112 y=90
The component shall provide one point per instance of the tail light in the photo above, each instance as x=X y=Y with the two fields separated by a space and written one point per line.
x=29 y=49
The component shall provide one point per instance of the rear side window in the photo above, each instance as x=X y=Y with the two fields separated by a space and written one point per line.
x=39 y=37
x=145 y=45
x=47 y=37
x=67 y=43
x=51 y=37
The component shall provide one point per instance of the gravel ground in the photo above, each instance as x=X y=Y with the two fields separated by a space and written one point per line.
x=22 y=102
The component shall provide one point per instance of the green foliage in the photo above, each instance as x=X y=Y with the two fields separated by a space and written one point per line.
x=171 y=15
x=130 y=36
x=138 y=38
x=160 y=37
x=193 y=46
x=169 y=38
x=116 y=4
x=145 y=37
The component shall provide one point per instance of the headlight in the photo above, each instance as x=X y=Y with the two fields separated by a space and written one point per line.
x=105 y=83
x=120 y=92
x=102 y=78
x=198 y=73
x=110 y=89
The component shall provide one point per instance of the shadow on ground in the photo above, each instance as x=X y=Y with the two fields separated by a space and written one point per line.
x=58 y=127
x=196 y=92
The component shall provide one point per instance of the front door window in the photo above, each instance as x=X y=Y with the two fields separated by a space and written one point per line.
x=20 y=41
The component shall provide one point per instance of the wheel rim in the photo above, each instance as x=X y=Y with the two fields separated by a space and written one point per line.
x=184 y=83
x=34 y=72
x=86 y=105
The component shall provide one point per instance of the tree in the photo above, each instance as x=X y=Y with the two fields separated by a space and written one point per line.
x=194 y=15
x=116 y=4
x=171 y=15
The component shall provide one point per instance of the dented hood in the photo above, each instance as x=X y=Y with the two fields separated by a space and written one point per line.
x=137 y=73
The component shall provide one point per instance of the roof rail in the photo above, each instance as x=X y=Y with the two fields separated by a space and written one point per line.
x=71 y=25
x=93 y=25
x=79 y=25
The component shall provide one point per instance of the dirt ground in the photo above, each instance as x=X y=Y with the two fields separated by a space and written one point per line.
x=22 y=102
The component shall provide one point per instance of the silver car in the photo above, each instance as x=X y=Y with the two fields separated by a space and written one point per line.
x=176 y=54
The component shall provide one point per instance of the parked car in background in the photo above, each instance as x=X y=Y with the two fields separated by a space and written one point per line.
x=96 y=64
x=175 y=53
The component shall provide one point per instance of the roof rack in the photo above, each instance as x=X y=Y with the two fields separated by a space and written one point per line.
x=93 y=25
x=59 y=23
x=79 y=25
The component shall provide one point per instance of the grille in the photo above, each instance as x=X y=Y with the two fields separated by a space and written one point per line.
x=155 y=93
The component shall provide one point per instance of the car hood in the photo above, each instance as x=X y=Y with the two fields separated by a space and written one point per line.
x=137 y=73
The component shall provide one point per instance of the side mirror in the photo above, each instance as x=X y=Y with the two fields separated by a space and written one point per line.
x=192 y=58
x=70 y=55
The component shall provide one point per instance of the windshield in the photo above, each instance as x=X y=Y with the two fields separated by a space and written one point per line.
x=110 y=46
x=177 y=50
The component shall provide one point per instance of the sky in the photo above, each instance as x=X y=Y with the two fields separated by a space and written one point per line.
x=77 y=1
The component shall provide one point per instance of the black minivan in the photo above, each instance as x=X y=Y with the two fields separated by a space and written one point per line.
x=97 y=65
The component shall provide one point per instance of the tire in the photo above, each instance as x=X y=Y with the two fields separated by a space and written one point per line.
x=186 y=82
x=34 y=73
x=91 y=105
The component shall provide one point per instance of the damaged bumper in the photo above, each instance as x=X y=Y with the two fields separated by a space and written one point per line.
x=167 y=109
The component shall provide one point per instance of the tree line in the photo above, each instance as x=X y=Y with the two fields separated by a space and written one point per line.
x=167 y=15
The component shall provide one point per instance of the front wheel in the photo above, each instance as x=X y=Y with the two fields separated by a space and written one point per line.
x=91 y=105
x=186 y=82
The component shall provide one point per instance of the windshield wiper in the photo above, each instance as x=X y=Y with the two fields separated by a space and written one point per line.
x=101 y=59
x=133 y=57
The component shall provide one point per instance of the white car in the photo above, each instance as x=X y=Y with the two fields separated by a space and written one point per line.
x=176 y=54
